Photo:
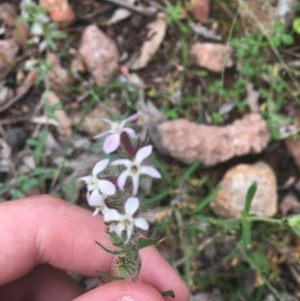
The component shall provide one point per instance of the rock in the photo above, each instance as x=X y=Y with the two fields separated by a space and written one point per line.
x=212 y=56
x=289 y=204
x=199 y=9
x=8 y=52
x=8 y=14
x=99 y=53
x=58 y=77
x=230 y=200
x=189 y=141
x=60 y=11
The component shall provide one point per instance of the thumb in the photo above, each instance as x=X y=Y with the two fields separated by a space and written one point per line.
x=125 y=290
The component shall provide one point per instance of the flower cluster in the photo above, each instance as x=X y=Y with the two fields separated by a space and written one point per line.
x=115 y=195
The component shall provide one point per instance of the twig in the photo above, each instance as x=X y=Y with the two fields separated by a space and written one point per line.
x=23 y=90
x=146 y=11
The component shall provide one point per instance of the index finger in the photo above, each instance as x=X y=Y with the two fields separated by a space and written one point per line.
x=43 y=229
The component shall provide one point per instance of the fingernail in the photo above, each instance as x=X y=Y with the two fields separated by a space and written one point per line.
x=128 y=298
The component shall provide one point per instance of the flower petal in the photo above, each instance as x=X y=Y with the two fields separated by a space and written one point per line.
x=95 y=199
x=111 y=215
x=124 y=162
x=143 y=153
x=111 y=143
x=141 y=223
x=99 y=167
x=106 y=187
x=129 y=229
x=130 y=118
x=117 y=228
x=132 y=205
x=135 y=183
x=86 y=179
x=150 y=171
x=103 y=134
x=131 y=132
x=122 y=179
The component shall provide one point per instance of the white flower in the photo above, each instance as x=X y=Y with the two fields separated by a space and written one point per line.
x=135 y=168
x=98 y=189
x=125 y=222
x=112 y=141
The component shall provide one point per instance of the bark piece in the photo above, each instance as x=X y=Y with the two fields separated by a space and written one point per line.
x=99 y=53
x=189 y=141
x=231 y=198
x=212 y=56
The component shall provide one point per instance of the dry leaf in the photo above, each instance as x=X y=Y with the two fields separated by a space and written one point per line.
x=155 y=36
x=189 y=141
x=99 y=53
x=121 y=13
x=212 y=56
x=8 y=14
x=230 y=201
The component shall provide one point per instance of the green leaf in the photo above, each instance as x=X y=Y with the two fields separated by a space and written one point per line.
x=204 y=202
x=169 y=293
x=296 y=25
x=188 y=172
x=249 y=198
x=145 y=242
x=108 y=250
x=294 y=223
x=108 y=276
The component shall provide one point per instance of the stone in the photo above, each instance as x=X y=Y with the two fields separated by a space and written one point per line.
x=212 y=56
x=189 y=142
x=99 y=53
x=230 y=201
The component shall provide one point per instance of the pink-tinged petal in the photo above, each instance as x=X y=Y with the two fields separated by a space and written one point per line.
x=124 y=162
x=135 y=183
x=130 y=132
x=150 y=171
x=130 y=118
x=143 y=153
x=111 y=143
x=95 y=199
x=111 y=123
x=132 y=205
x=100 y=166
x=141 y=223
x=122 y=179
x=103 y=134
x=106 y=187
x=86 y=179
x=111 y=215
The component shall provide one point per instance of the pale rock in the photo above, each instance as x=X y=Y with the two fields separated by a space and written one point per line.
x=289 y=204
x=199 y=9
x=99 y=53
x=230 y=201
x=8 y=52
x=212 y=56
x=189 y=142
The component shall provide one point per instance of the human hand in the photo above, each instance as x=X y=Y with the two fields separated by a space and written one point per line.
x=41 y=236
